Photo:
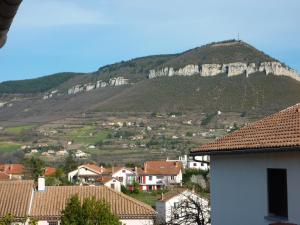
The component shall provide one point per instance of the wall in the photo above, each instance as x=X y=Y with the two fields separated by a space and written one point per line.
x=137 y=222
x=164 y=208
x=117 y=184
x=239 y=187
x=122 y=174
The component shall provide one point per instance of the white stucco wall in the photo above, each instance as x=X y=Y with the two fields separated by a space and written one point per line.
x=116 y=183
x=164 y=208
x=239 y=187
x=122 y=173
x=137 y=222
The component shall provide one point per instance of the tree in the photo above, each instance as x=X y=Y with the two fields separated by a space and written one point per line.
x=90 y=212
x=34 y=167
x=70 y=164
x=7 y=219
x=191 y=209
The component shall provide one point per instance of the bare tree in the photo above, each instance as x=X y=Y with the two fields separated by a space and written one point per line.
x=190 y=210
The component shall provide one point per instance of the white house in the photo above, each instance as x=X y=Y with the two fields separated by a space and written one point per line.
x=180 y=205
x=159 y=174
x=255 y=172
x=46 y=203
x=202 y=162
x=110 y=182
x=89 y=173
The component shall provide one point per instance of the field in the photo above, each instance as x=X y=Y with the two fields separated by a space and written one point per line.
x=147 y=197
x=9 y=147
x=19 y=129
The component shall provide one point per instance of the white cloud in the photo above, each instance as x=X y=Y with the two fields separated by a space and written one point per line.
x=47 y=13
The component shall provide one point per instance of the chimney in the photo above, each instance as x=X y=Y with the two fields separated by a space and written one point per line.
x=41 y=184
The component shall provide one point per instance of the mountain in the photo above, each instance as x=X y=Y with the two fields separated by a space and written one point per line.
x=229 y=76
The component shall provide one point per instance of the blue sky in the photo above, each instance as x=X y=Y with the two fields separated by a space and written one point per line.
x=50 y=36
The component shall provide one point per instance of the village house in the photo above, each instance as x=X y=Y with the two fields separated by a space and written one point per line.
x=173 y=207
x=110 y=182
x=45 y=204
x=255 y=172
x=202 y=162
x=159 y=174
x=90 y=173
x=14 y=171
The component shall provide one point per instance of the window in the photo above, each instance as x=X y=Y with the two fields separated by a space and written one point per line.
x=195 y=164
x=150 y=177
x=123 y=171
x=120 y=179
x=202 y=164
x=172 y=177
x=112 y=186
x=277 y=192
x=52 y=222
x=176 y=205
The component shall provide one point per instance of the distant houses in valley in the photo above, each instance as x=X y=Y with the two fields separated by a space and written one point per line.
x=255 y=172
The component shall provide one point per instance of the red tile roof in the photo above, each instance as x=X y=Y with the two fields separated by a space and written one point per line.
x=49 y=203
x=49 y=171
x=17 y=169
x=279 y=131
x=15 y=198
x=4 y=176
x=161 y=168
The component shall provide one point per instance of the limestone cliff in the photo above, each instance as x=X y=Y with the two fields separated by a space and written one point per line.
x=231 y=69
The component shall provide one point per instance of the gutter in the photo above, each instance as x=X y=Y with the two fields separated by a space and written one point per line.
x=245 y=151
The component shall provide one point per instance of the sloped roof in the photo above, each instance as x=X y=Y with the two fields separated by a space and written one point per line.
x=50 y=203
x=49 y=171
x=17 y=169
x=161 y=168
x=279 y=131
x=171 y=194
x=15 y=198
x=4 y=176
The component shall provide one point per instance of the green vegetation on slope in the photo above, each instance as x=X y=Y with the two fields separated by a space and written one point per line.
x=9 y=147
x=19 y=129
x=37 y=85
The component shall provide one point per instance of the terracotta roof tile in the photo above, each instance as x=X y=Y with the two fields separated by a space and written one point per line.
x=12 y=168
x=161 y=168
x=280 y=130
x=49 y=171
x=4 y=176
x=15 y=198
x=50 y=203
x=171 y=194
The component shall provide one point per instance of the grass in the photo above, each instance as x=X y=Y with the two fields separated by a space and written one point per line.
x=146 y=197
x=82 y=135
x=9 y=147
x=19 y=129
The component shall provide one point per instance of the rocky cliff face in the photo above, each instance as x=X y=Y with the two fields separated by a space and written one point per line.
x=116 y=81
x=231 y=69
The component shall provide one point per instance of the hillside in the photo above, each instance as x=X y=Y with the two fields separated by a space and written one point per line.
x=203 y=79
x=138 y=69
x=37 y=85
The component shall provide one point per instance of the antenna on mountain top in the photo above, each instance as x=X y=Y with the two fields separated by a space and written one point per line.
x=238 y=36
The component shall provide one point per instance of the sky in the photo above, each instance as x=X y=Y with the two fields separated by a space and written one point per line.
x=50 y=36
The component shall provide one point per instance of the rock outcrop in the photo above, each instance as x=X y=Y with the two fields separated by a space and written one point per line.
x=116 y=81
x=231 y=69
